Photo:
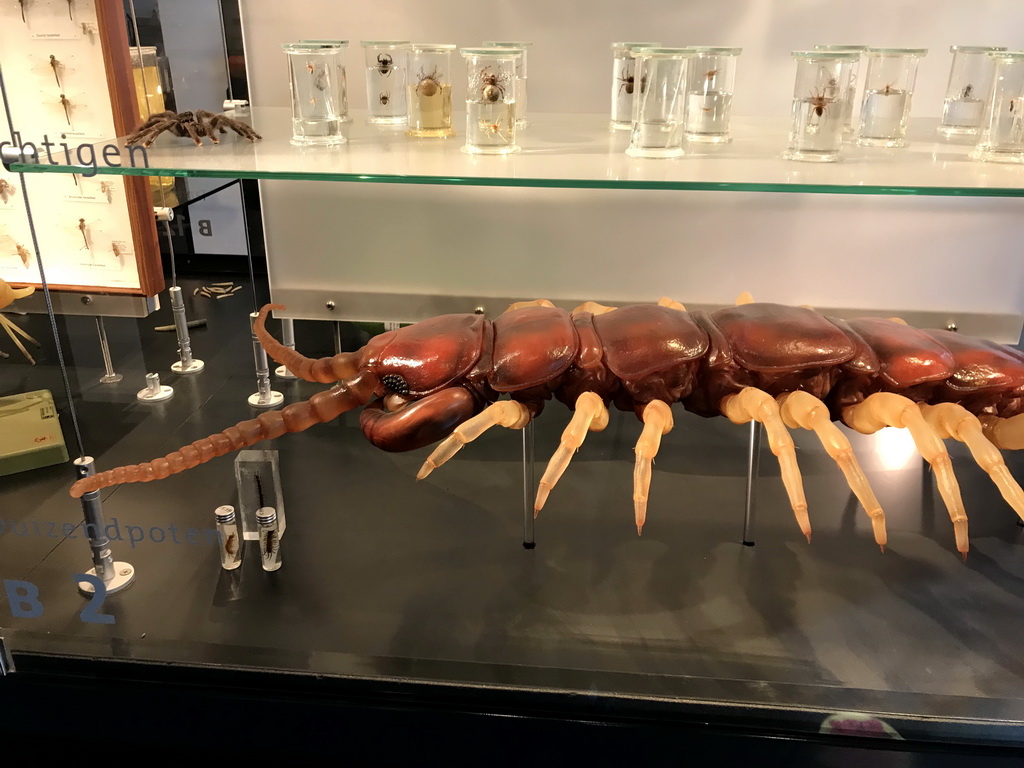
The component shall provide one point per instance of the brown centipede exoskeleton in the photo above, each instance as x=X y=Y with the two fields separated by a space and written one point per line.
x=453 y=377
x=270 y=543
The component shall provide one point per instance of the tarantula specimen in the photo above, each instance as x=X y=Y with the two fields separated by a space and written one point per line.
x=194 y=125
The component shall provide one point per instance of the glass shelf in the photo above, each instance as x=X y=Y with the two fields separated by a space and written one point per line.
x=568 y=151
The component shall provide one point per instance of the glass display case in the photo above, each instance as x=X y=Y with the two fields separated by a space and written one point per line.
x=431 y=590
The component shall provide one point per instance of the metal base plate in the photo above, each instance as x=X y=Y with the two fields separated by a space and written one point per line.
x=124 y=575
x=111 y=379
x=276 y=398
x=196 y=367
x=283 y=373
x=145 y=396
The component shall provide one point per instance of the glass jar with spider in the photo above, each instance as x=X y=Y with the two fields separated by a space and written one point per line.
x=970 y=80
x=520 y=74
x=819 y=94
x=429 y=90
x=340 y=76
x=855 y=51
x=711 y=81
x=659 y=102
x=317 y=118
x=624 y=82
x=888 y=87
x=386 y=80
x=1002 y=137
x=491 y=93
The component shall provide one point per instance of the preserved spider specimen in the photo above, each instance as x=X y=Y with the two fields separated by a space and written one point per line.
x=888 y=90
x=627 y=82
x=491 y=88
x=385 y=64
x=384 y=98
x=195 y=125
x=492 y=129
x=429 y=85
x=967 y=91
x=819 y=102
x=7 y=296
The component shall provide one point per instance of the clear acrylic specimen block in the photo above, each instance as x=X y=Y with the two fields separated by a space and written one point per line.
x=711 y=81
x=317 y=115
x=259 y=485
x=521 y=74
x=819 y=97
x=624 y=84
x=387 y=70
x=659 y=102
x=429 y=91
x=855 y=52
x=491 y=93
x=1002 y=138
x=888 y=89
x=970 y=81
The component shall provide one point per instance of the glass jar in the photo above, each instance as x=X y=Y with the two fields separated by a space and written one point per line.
x=520 y=74
x=341 y=78
x=491 y=93
x=387 y=68
x=429 y=90
x=711 y=81
x=888 y=88
x=855 y=52
x=970 y=80
x=659 y=102
x=1002 y=138
x=312 y=75
x=820 y=92
x=624 y=82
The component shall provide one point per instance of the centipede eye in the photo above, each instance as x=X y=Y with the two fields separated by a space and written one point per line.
x=395 y=383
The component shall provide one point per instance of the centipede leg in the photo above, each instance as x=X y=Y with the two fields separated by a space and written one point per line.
x=590 y=415
x=751 y=403
x=1007 y=434
x=658 y=421
x=952 y=420
x=802 y=409
x=884 y=409
x=504 y=413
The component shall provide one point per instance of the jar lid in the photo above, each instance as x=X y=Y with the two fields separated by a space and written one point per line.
x=508 y=53
x=340 y=43
x=816 y=54
x=1013 y=55
x=844 y=48
x=896 y=51
x=225 y=514
x=976 y=48
x=719 y=51
x=635 y=45
x=307 y=46
x=384 y=43
x=663 y=52
x=433 y=47
x=507 y=44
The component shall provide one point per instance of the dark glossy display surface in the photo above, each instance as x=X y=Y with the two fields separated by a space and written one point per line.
x=387 y=578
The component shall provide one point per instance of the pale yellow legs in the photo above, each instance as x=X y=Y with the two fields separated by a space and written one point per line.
x=504 y=413
x=590 y=415
x=753 y=404
x=1005 y=433
x=657 y=418
x=884 y=409
x=951 y=420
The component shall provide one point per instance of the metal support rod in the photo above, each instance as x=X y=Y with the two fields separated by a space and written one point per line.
x=264 y=397
x=529 y=487
x=110 y=377
x=102 y=559
x=186 y=363
x=337 y=337
x=753 y=460
x=288 y=340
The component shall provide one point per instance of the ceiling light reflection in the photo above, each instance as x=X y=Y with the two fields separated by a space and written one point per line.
x=895 y=448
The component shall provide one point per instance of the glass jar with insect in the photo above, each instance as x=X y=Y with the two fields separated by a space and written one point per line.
x=340 y=79
x=711 y=81
x=970 y=80
x=659 y=102
x=387 y=68
x=819 y=94
x=888 y=87
x=317 y=118
x=855 y=51
x=491 y=93
x=520 y=74
x=624 y=82
x=429 y=90
x=1002 y=137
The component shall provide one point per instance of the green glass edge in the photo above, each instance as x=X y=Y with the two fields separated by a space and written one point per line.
x=734 y=186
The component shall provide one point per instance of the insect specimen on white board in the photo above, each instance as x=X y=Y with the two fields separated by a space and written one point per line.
x=6 y=190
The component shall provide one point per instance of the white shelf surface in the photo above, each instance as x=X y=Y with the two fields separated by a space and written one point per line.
x=574 y=151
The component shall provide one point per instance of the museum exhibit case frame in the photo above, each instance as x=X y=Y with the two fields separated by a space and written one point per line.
x=395 y=594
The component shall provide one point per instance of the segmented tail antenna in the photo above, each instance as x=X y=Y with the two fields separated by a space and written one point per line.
x=325 y=370
x=321 y=407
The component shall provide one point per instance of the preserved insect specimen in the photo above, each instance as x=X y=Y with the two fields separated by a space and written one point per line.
x=786 y=367
x=627 y=81
x=967 y=91
x=82 y=228
x=384 y=98
x=429 y=85
x=22 y=4
x=71 y=7
x=107 y=190
x=819 y=103
x=66 y=103
x=55 y=65
x=26 y=257
x=6 y=190
x=385 y=64
x=231 y=544
x=7 y=296
x=195 y=125
x=492 y=129
x=491 y=88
